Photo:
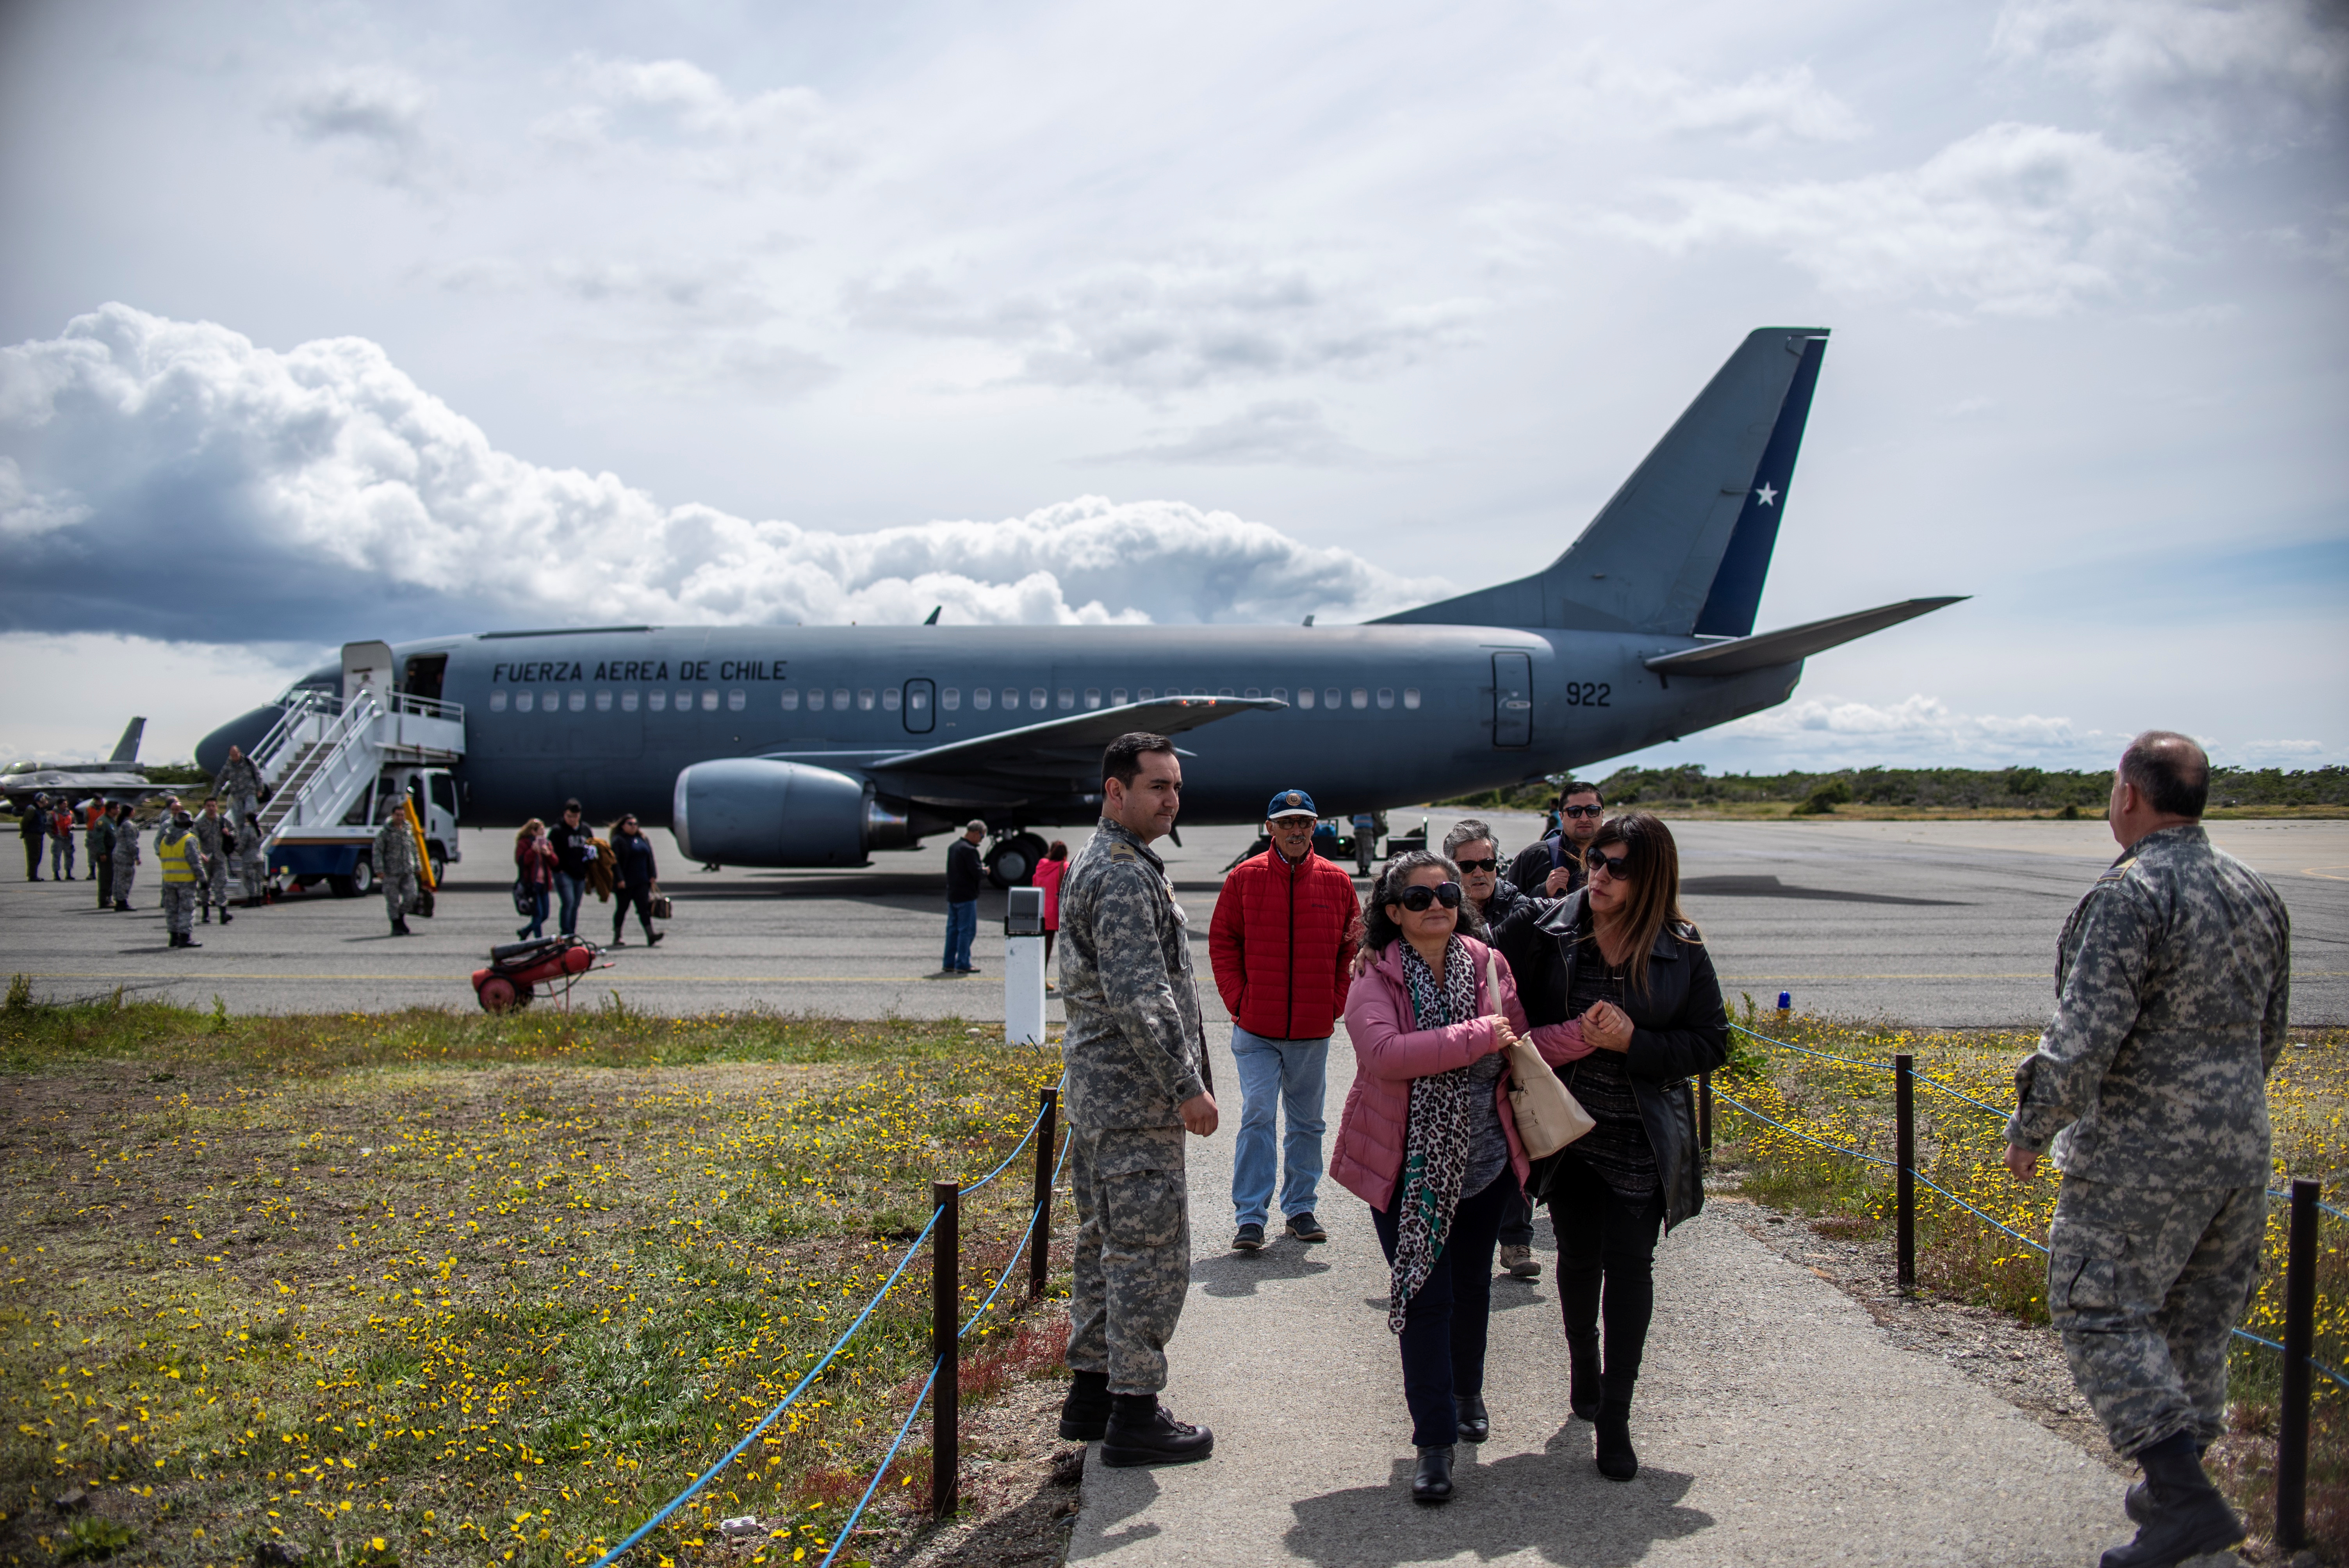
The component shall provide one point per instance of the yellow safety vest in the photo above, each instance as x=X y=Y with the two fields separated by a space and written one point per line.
x=183 y=861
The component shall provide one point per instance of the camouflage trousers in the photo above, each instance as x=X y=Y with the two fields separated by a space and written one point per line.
x=1134 y=1252
x=216 y=883
x=253 y=874
x=399 y=895
x=180 y=902
x=2145 y=1287
x=125 y=873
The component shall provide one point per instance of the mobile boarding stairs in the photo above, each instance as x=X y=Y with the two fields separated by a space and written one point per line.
x=325 y=752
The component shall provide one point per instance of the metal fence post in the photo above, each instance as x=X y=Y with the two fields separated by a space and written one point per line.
x=1040 y=1238
x=1704 y=1109
x=2299 y=1340
x=1904 y=1151
x=946 y=1331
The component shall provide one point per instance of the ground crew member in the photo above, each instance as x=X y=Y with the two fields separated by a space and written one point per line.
x=2172 y=977
x=395 y=868
x=240 y=785
x=100 y=840
x=33 y=827
x=1135 y=1052
x=126 y=856
x=253 y=869
x=182 y=857
x=218 y=836
x=61 y=843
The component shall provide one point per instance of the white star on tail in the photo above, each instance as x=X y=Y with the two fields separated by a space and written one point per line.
x=1766 y=496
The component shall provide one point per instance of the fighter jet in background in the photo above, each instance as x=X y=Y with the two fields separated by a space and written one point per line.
x=121 y=777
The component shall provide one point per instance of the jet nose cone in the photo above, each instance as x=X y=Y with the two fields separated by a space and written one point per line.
x=245 y=731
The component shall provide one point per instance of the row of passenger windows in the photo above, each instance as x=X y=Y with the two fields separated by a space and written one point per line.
x=1038 y=699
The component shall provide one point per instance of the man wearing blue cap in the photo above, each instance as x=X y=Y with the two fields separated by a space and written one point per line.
x=1282 y=941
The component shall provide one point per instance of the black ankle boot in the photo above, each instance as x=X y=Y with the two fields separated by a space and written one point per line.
x=1475 y=1426
x=1141 y=1431
x=2187 y=1517
x=2137 y=1502
x=1431 y=1482
x=1582 y=1385
x=1085 y=1414
x=1617 y=1460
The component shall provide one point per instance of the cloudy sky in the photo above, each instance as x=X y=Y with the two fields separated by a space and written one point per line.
x=332 y=321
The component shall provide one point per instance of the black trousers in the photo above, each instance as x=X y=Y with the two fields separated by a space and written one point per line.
x=1443 y=1339
x=626 y=898
x=1516 y=1214
x=33 y=848
x=1606 y=1269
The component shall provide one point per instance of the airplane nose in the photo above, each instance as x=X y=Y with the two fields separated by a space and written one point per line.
x=245 y=731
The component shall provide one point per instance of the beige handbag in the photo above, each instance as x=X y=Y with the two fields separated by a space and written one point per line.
x=1548 y=1116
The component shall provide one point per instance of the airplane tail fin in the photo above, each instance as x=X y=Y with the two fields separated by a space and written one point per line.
x=127 y=749
x=1683 y=547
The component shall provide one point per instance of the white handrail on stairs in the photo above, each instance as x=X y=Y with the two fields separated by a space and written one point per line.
x=345 y=760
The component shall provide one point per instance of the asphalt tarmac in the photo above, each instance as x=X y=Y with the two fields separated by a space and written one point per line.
x=1948 y=923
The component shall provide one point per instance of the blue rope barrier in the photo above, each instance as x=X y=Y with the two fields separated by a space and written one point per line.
x=2320 y=1203
x=1806 y=1137
x=2313 y=1361
x=848 y=1526
x=1958 y=1094
x=1805 y=1050
x=1013 y=1261
x=974 y=1186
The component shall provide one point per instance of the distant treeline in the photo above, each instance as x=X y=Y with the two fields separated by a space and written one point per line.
x=1945 y=788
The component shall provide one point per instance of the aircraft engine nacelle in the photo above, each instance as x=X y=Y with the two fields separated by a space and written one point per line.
x=749 y=811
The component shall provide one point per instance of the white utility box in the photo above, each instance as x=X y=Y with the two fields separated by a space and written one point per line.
x=1023 y=967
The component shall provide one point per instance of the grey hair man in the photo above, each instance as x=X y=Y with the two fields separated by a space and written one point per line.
x=1553 y=866
x=1476 y=848
x=2172 y=983
x=965 y=876
x=1135 y=1053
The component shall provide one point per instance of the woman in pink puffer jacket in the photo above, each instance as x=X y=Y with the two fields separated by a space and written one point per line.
x=1427 y=1139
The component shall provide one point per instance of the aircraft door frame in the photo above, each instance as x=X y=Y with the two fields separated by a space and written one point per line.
x=921 y=705
x=1513 y=701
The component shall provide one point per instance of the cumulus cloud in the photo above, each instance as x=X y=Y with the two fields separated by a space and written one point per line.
x=1766 y=109
x=1292 y=432
x=2013 y=220
x=69 y=696
x=374 y=113
x=227 y=492
x=674 y=113
x=2273 y=71
x=1175 y=325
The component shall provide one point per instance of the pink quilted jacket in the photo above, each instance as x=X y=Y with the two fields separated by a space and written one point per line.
x=1389 y=1052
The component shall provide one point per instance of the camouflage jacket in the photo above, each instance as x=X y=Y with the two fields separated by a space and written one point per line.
x=214 y=833
x=2172 y=980
x=395 y=848
x=239 y=777
x=1134 y=1034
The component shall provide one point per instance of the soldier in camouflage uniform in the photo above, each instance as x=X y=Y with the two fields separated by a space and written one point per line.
x=2172 y=978
x=240 y=785
x=253 y=867
x=217 y=834
x=182 y=860
x=395 y=868
x=1136 y=1051
x=126 y=855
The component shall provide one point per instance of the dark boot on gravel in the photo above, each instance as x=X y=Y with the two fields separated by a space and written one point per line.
x=1617 y=1459
x=1475 y=1426
x=2137 y=1502
x=1141 y=1431
x=1085 y=1414
x=2187 y=1517
x=1431 y=1482
x=1582 y=1378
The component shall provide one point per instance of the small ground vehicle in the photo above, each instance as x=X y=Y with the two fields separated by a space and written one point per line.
x=343 y=856
x=518 y=968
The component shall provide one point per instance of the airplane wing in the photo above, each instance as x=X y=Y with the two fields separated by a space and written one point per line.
x=1759 y=652
x=1053 y=748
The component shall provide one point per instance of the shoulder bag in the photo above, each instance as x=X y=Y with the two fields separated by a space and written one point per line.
x=1547 y=1115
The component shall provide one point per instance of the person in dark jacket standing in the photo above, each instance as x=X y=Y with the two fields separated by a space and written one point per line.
x=1552 y=866
x=33 y=827
x=574 y=843
x=1282 y=943
x=1620 y=957
x=635 y=879
x=964 y=876
x=1476 y=848
x=98 y=838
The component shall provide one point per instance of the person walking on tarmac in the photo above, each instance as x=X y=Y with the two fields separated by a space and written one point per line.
x=1476 y=848
x=218 y=837
x=33 y=827
x=574 y=843
x=127 y=855
x=395 y=868
x=98 y=838
x=1135 y=1056
x=240 y=785
x=1554 y=866
x=182 y=855
x=61 y=842
x=635 y=879
x=253 y=870
x=965 y=873
x=2173 y=982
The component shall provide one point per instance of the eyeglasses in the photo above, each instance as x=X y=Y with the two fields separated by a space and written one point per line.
x=1616 y=866
x=1582 y=811
x=1483 y=865
x=1416 y=899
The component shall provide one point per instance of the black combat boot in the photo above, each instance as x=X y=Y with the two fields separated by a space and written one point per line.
x=1085 y=1414
x=399 y=927
x=1430 y=1480
x=1617 y=1459
x=1141 y=1431
x=225 y=915
x=188 y=939
x=2137 y=1502
x=1582 y=1377
x=2188 y=1516
x=1474 y=1424
x=208 y=914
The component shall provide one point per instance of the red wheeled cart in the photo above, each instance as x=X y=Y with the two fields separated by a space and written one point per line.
x=518 y=968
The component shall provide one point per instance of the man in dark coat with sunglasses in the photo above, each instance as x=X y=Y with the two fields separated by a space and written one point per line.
x=1552 y=867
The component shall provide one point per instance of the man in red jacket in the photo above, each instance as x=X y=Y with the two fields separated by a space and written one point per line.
x=1282 y=941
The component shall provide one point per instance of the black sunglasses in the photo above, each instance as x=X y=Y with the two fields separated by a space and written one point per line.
x=1483 y=865
x=1616 y=866
x=1418 y=897
x=1582 y=811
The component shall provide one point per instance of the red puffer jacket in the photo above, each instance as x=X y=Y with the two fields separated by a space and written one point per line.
x=1282 y=941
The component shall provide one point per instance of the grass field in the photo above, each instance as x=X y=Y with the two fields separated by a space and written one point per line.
x=431 y=1288
x=1960 y=1145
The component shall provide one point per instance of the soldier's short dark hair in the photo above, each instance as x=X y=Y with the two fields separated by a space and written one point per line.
x=1577 y=787
x=2169 y=770
x=1122 y=759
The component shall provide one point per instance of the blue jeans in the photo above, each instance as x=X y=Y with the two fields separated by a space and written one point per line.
x=570 y=890
x=962 y=925
x=537 y=926
x=1288 y=1075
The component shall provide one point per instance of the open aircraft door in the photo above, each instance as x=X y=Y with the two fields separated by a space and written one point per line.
x=368 y=664
x=1512 y=699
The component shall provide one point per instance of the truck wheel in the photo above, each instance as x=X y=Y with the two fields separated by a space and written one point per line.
x=363 y=877
x=440 y=859
x=341 y=887
x=1013 y=862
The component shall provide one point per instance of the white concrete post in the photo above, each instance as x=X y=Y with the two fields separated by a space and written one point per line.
x=1023 y=967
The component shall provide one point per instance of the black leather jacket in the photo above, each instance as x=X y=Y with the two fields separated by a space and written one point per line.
x=1679 y=1029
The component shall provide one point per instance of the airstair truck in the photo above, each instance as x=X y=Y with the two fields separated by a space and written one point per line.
x=337 y=767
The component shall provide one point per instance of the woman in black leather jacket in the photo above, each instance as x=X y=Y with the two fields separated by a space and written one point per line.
x=1620 y=956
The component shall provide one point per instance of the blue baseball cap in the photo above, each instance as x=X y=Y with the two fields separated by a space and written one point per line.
x=1291 y=803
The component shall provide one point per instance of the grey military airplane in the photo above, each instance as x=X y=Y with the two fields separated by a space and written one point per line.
x=121 y=777
x=772 y=746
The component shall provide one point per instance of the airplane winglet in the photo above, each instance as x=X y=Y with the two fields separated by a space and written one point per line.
x=1760 y=652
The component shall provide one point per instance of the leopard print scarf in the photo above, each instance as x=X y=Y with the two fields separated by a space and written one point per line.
x=1436 y=1135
